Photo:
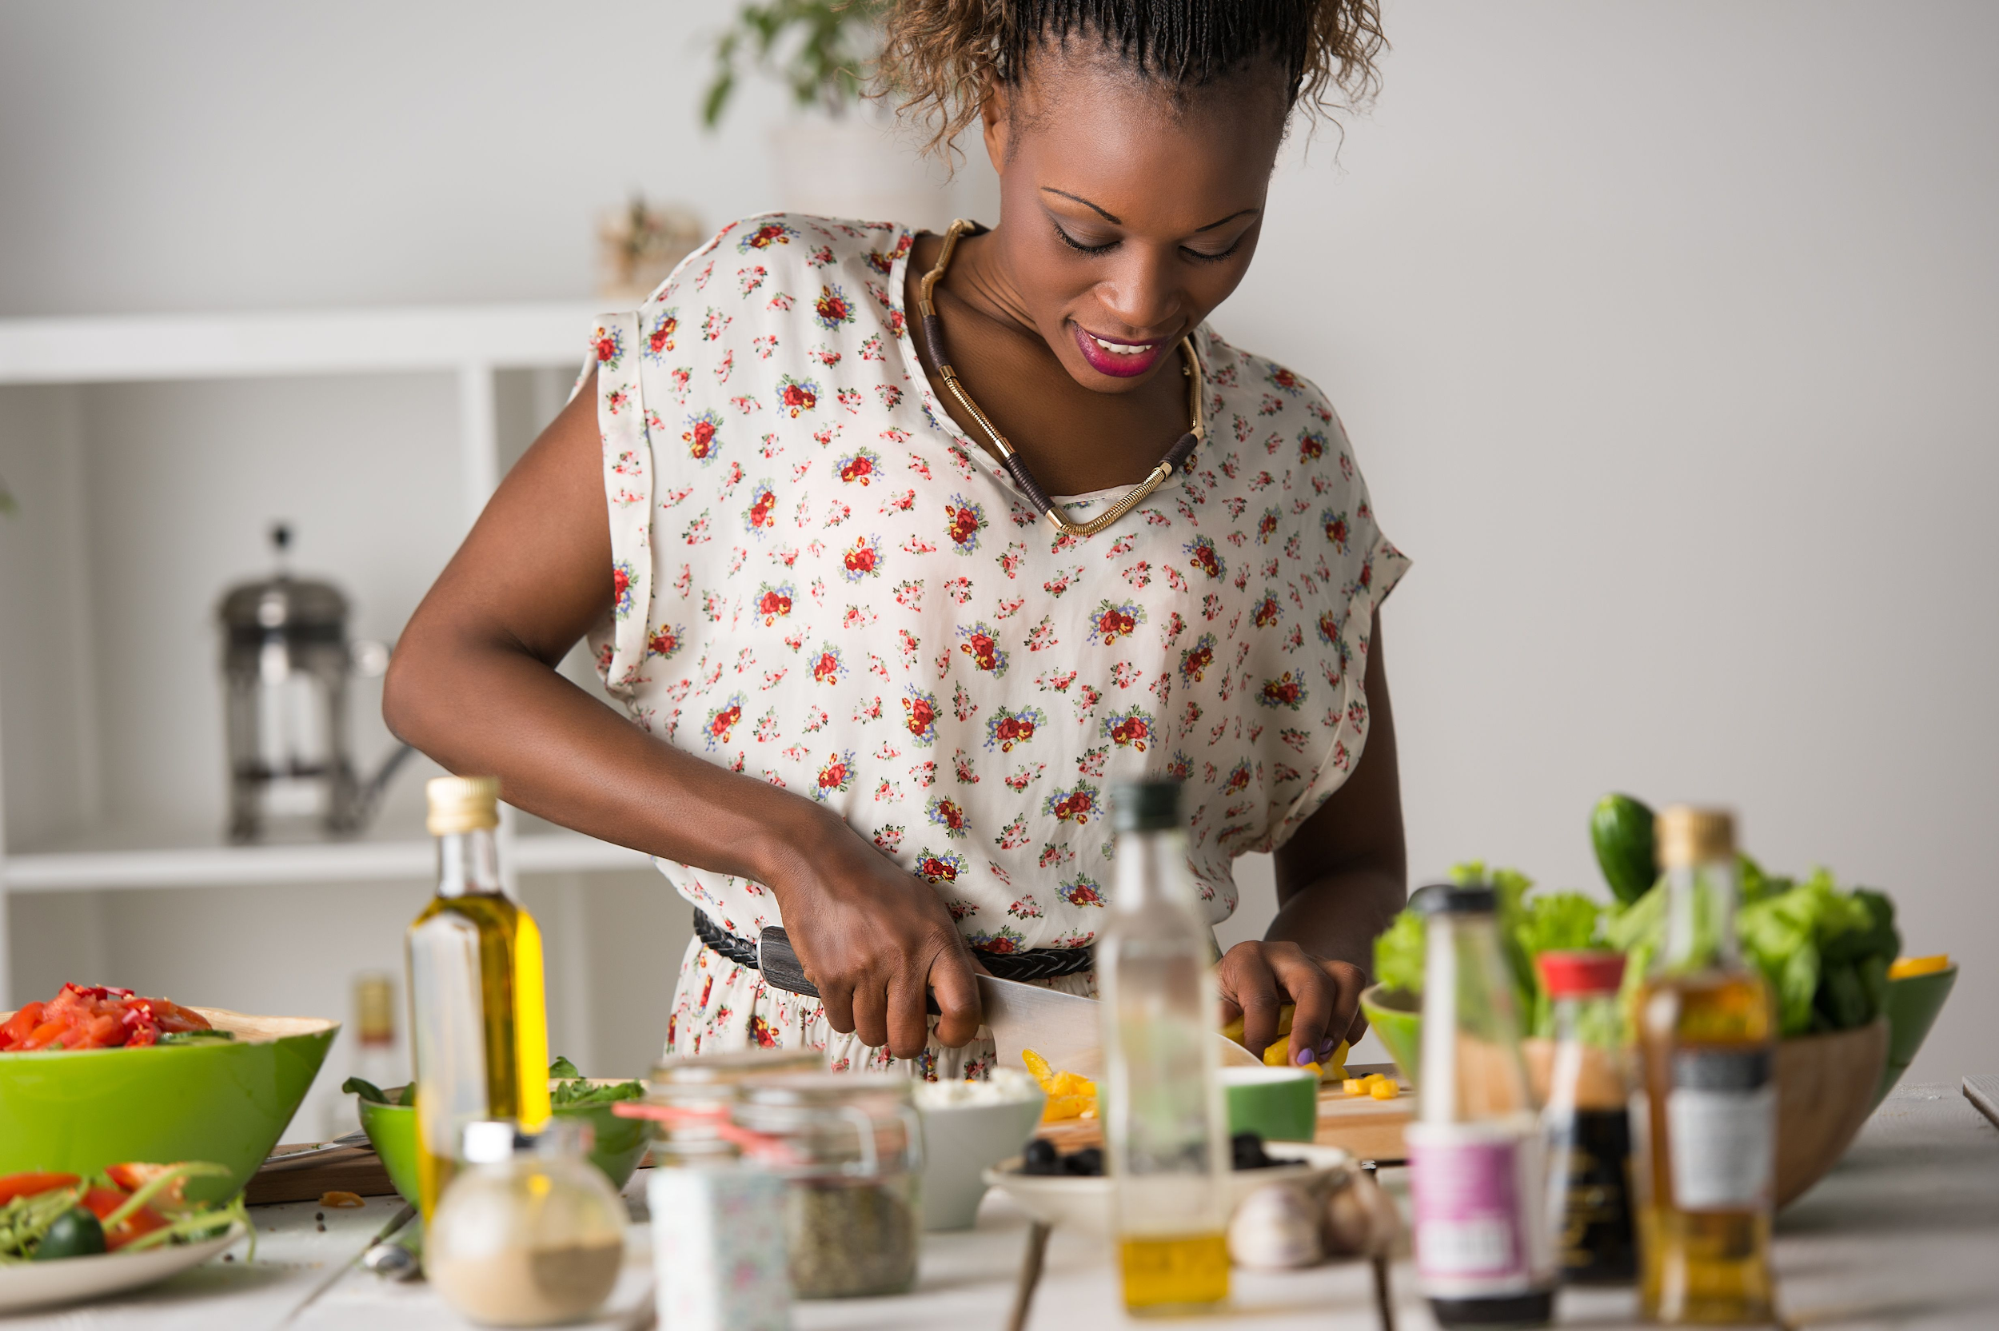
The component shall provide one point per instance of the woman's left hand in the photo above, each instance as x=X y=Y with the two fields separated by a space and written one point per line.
x=1256 y=979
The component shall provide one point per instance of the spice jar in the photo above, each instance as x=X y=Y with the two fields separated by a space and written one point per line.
x=529 y=1233
x=694 y=1096
x=848 y=1149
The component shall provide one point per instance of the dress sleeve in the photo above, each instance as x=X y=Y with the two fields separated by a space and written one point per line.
x=1369 y=572
x=620 y=642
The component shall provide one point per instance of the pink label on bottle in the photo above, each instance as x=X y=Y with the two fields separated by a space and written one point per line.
x=1472 y=1213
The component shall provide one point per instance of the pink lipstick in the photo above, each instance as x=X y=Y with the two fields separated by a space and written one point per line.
x=1117 y=358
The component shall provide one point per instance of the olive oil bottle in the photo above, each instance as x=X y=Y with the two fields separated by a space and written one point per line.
x=1706 y=1125
x=1165 y=1124
x=478 y=1014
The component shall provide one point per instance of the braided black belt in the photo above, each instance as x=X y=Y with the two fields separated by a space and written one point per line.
x=1041 y=963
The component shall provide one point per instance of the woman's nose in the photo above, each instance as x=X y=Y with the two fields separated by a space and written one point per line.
x=1142 y=291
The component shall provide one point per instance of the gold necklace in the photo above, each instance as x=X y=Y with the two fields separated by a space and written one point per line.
x=1180 y=455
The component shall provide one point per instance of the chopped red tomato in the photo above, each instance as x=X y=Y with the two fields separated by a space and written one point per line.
x=95 y=1017
x=28 y=1185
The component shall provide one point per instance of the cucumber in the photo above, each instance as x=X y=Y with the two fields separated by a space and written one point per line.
x=1620 y=828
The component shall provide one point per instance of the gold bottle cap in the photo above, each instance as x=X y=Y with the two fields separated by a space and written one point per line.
x=375 y=1008
x=1689 y=836
x=462 y=804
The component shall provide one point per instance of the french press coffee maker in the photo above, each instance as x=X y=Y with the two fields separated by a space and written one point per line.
x=286 y=663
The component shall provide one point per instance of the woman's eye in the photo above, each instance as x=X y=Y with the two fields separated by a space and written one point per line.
x=1078 y=245
x=1205 y=256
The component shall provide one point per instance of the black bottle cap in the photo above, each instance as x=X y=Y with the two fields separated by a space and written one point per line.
x=1454 y=899
x=1145 y=806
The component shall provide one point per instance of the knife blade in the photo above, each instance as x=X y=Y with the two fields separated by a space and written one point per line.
x=1065 y=1029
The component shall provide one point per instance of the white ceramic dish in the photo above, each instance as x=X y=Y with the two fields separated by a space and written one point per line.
x=960 y=1141
x=74 y=1279
x=1085 y=1203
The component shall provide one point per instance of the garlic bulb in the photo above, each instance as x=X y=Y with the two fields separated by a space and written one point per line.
x=1359 y=1218
x=1276 y=1229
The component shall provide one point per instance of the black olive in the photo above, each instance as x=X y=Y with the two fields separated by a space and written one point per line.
x=1041 y=1157
x=1246 y=1151
x=1087 y=1163
x=75 y=1233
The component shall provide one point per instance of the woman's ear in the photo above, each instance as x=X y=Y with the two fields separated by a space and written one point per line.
x=995 y=111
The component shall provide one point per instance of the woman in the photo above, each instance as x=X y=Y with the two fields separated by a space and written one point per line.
x=879 y=695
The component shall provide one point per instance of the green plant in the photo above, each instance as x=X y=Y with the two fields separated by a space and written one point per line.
x=818 y=47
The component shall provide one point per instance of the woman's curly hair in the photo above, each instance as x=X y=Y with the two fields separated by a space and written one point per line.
x=939 y=56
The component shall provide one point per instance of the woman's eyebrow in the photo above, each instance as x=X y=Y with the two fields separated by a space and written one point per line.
x=1112 y=217
x=1104 y=213
x=1240 y=212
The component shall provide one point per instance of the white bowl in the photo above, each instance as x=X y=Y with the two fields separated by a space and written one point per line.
x=1085 y=1203
x=960 y=1140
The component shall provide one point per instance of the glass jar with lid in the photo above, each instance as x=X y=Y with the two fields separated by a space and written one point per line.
x=529 y=1233
x=692 y=1098
x=849 y=1150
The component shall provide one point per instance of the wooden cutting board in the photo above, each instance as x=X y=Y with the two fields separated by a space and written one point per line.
x=1367 y=1128
x=355 y=1169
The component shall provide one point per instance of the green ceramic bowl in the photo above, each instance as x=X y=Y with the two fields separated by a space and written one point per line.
x=620 y=1142
x=1911 y=1008
x=223 y=1101
x=1397 y=1017
x=1277 y=1104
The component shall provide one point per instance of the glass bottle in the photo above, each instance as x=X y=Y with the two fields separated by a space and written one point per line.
x=1164 y=1122
x=529 y=1233
x=478 y=1016
x=378 y=1057
x=1588 y=1121
x=1484 y=1255
x=1707 y=1119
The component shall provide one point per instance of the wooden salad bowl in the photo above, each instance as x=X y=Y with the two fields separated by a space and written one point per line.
x=1826 y=1085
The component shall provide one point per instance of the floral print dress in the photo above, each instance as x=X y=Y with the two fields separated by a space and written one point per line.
x=823 y=583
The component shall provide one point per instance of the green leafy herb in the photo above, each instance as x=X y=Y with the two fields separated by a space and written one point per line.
x=572 y=1090
x=367 y=1090
x=571 y=1094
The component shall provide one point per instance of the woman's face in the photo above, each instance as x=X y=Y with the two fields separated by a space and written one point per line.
x=1127 y=217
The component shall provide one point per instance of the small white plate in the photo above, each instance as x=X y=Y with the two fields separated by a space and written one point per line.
x=1085 y=1203
x=73 y=1279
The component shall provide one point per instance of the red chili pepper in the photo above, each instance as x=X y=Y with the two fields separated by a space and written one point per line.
x=29 y=1184
x=101 y=1202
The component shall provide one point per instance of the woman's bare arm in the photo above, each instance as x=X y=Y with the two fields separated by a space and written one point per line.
x=473 y=684
x=1340 y=879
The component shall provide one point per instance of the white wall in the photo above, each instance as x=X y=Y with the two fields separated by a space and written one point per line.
x=1659 y=327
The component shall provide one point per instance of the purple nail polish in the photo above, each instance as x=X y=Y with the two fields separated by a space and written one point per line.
x=1326 y=1049
x=1304 y=1057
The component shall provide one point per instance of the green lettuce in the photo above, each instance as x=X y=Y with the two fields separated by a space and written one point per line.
x=1528 y=926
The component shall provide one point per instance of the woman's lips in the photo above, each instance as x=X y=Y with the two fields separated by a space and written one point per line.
x=1120 y=360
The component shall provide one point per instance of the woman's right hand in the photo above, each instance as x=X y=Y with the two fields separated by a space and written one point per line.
x=872 y=937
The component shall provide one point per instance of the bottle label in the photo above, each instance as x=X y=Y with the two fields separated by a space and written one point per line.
x=1594 y=1215
x=1476 y=1194
x=1721 y=1121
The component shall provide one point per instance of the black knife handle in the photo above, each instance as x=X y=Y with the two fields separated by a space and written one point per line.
x=779 y=963
x=781 y=968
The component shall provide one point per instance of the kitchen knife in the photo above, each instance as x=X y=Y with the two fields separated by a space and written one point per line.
x=1065 y=1029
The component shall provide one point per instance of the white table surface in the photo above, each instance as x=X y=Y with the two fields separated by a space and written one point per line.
x=1904 y=1233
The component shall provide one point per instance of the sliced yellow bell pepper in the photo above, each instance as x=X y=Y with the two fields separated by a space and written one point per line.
x=1905 y=967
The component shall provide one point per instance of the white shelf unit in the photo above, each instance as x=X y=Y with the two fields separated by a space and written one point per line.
x=69 y=823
